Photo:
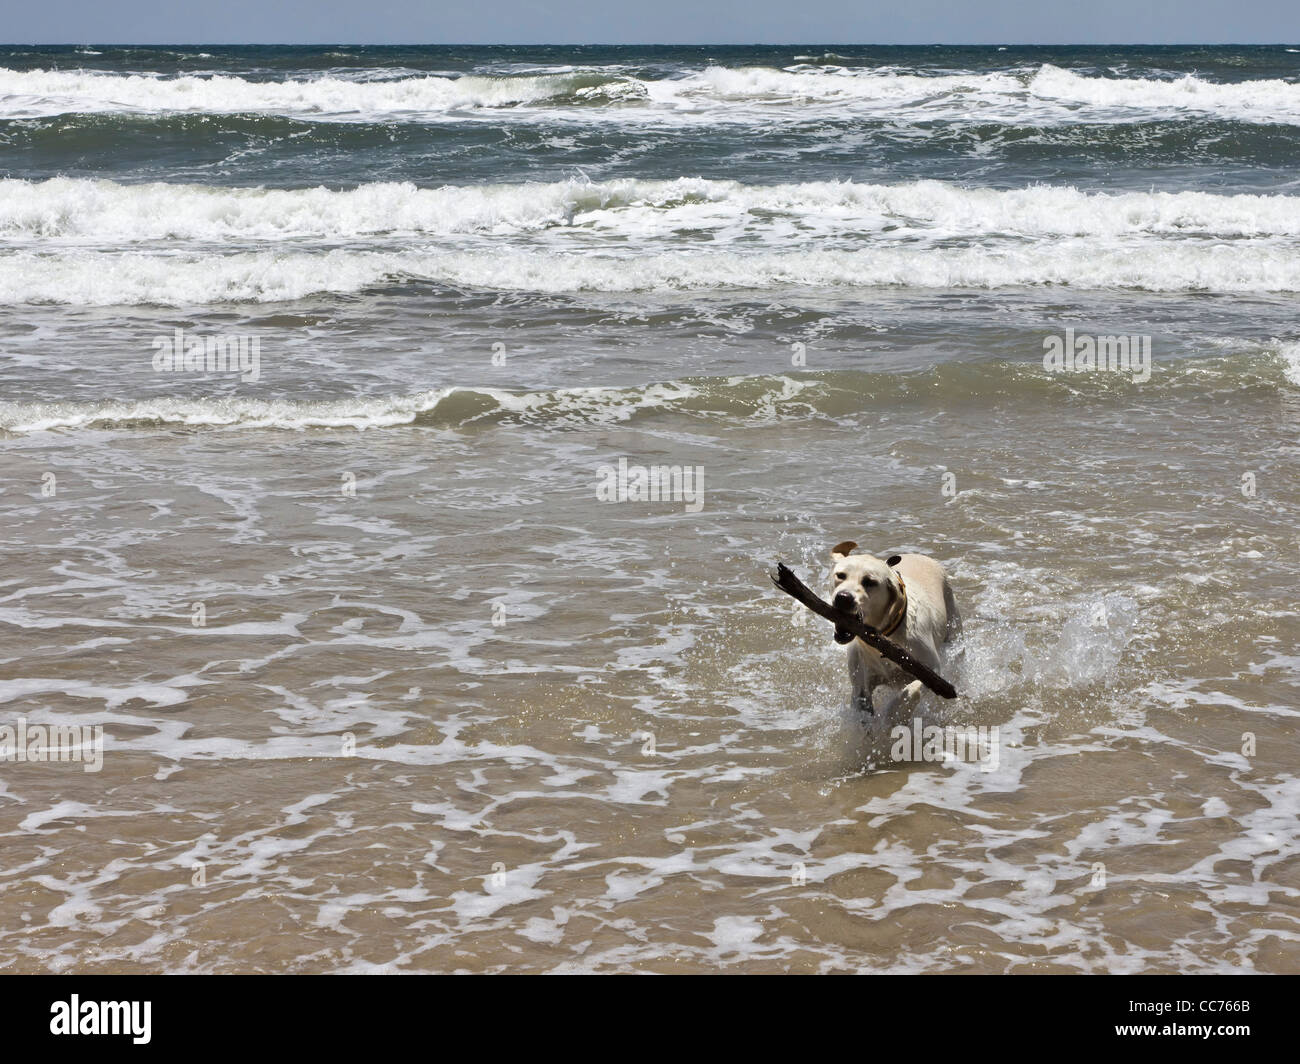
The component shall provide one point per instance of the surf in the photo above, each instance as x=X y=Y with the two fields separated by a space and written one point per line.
x=101 y=210
x=1046 y=94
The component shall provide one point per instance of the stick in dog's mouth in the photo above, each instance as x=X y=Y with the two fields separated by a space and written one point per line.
x=842 y=634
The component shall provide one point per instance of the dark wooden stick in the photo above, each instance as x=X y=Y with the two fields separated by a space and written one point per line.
x=792 y=585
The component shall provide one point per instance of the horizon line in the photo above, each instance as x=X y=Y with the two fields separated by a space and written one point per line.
x=650 y=44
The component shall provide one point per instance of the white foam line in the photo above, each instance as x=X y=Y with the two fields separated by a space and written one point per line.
x=1049 y=95
x=104 y=211
x=132 y=279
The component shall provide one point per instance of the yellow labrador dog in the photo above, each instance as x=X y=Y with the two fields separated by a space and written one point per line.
x=908 y=599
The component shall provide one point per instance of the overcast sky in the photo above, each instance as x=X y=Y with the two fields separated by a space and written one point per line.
x=651 y=21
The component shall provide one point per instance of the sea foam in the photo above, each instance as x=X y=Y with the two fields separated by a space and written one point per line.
x=1046 y=95
x=91 y=278
x=103 y=211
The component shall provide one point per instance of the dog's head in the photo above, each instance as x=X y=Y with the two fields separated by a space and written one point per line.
x=864 y=585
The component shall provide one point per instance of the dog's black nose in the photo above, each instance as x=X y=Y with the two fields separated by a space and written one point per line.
x=843 y=601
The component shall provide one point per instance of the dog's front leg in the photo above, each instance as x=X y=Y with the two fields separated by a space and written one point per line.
x=906 y=697
x=864 y=681
x=864 y=700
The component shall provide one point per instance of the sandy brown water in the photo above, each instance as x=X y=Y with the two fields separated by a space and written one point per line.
x=647 y=764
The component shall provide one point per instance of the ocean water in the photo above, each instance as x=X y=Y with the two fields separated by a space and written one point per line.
x=384 y=684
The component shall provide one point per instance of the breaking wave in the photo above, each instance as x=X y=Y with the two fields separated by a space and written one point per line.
x=828 y=394
x=89 y=278
x=107 y=211
x=1048 y=94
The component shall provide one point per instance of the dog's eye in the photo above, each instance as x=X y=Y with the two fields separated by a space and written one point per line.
x=840 y=576
x=869 y=581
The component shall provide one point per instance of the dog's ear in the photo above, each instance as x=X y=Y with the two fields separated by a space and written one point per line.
x=841 y=550
x=893 y=560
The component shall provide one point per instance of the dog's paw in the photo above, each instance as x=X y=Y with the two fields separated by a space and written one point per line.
x=905 y=698
x=842 y=637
